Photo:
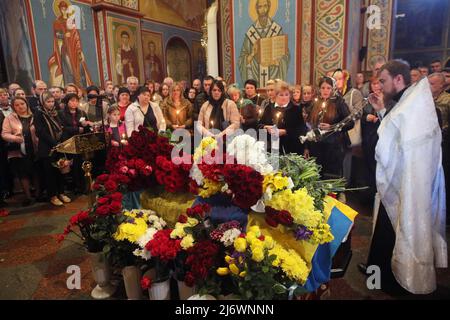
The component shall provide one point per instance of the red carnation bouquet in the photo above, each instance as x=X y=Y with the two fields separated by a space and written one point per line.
x=202 y=259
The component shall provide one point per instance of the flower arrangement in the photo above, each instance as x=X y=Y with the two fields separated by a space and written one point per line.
x=174 y=174
x=137 y=160
x=97 y=224
x=262 y=269
x=63 y=165
x=127 y=245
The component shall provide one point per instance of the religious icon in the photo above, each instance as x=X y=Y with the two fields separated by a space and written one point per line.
x=127 y=64
x=265 y=53
x=199 y=62
x=153 y=55
x=67 y=63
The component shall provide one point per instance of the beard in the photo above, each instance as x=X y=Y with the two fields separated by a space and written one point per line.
x=389 y=95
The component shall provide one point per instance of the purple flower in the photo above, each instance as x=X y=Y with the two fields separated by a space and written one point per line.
x=303 y=233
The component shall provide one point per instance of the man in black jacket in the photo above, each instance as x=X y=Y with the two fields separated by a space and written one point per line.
x=202 y=97
x=39 y=87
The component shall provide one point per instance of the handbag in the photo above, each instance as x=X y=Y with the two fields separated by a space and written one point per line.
x=355 y=135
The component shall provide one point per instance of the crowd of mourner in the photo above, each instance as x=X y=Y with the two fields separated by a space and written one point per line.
x=33 y=125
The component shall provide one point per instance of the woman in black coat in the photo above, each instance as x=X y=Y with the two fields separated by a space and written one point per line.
x=328 y=110
x=49 y=131
x=74 y=122
x=286 y=118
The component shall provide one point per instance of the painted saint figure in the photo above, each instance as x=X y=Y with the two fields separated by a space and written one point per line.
x=126 y=62
x=67 y=63
x=153 y=66
x=249 y=64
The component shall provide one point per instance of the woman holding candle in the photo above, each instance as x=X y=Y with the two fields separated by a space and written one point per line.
x=49 y=132
x=285 y=119
x=218 y=113
x=177 y=110
x=247 y=110
x=144 y=113
x=116 y=128
x=329 y=109
x=20 y=134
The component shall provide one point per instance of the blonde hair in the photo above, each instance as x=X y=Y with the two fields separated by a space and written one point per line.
x=232 y=90
x=281 y=86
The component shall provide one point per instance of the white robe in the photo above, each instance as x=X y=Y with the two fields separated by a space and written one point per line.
x=411 y=185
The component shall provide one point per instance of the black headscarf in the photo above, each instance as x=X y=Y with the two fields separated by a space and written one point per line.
x=217 y=111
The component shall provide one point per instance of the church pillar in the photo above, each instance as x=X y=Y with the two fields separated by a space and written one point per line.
x=377 y=30
x=212 y=48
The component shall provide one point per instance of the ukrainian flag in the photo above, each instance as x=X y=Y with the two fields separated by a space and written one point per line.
x=318 y=257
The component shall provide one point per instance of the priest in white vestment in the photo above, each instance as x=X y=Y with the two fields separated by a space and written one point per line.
x=409 y=240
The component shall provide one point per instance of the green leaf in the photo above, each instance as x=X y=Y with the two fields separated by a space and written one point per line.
x=279 y=289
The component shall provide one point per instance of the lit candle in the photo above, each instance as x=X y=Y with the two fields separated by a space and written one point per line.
x=124 y=139
x=242 y=101
x=178 y=120
x=278 y=118
x=316 y=99
x=212 y=124
x=324 y=105
x=154 y=97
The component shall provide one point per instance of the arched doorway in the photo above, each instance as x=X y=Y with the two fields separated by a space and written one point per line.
x=178 y=60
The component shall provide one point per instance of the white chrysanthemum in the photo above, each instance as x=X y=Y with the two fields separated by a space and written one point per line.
x=196 y=175
x=230 y=236
x=144 y=254
x=147 y=237
x=247 y=151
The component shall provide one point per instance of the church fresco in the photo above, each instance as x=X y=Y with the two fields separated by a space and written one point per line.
x=265 y=40
x=153 y=56
x=66 y=49
x=182 y=13
x=126 y=50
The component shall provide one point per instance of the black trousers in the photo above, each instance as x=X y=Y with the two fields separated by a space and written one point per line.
x=54 y=180
x=6 y=177
x=380 y=254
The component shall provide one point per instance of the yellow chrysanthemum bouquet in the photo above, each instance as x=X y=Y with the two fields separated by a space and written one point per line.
x=136 y=229
x=261 y=269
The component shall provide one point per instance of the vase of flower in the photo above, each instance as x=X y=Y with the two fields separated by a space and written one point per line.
x=132 y=280
x=184 y=291
x=101 y=272
x=160 y=290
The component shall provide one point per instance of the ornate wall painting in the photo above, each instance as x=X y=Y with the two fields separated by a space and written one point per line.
x=125 y=49
x=182 y=13
x=199 y=69
x=154 y=67
x=265 y=40
x=65 y=45
x=329 y=36
x=178 y=60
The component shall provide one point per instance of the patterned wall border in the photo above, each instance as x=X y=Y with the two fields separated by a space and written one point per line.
x=103 y=51
x=227 y=42
x=329 y=46
x=306 y=41
x=379 y=41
